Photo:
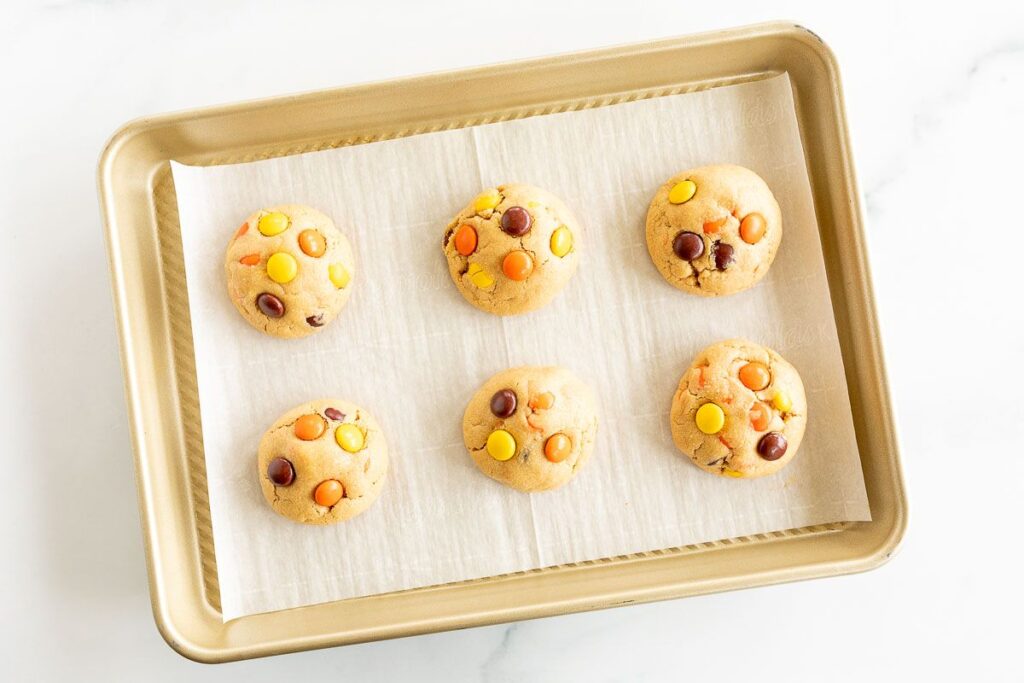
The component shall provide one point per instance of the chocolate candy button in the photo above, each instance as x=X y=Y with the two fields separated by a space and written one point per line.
x=503 y=403
x=334 y=414
x=315 y=320
x=516 y=221
x=281 y=472
x=270 y=305
x=772 y=446
x=688 y=245
x=723 y=254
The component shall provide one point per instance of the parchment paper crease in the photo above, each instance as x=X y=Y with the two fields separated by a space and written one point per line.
x=411 y=351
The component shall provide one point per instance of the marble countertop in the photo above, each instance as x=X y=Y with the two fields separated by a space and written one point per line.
x=935 y=98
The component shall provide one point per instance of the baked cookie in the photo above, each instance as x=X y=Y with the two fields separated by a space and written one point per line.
x=740 y=410
x=289 y=270
x=714 y=230
x=530 y=427
x=323 y=462
x=512 y=249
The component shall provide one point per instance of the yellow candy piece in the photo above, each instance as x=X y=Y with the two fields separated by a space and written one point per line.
x=350 y=437
x=732 y=473
x=782 y=402
x=501 y=445
x=682 y=192
x=339 y=275
x=561 y=242
x=486 y=201
x=272 y=224
x=710 y=418
x=282 y=267
x=479 y=277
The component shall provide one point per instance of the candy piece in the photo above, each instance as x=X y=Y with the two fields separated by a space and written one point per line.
x=723 y=254
x=281 y=472
x=501 y=445
x=782 y=402
x=486 y=201
x=710 y=418
x=561 y=241
x=310 y=427
x=350 y=437
x=517 y=265
x=688 y=245
x=315 y=320
x=732 y=473
x=242 y=230
x=752 y=228
x=712 y=227
x=533 y=419
x=542 y=401
x=516 y=221
x=273 y=224
x=557 y=448
x=759 y=416
x=282 y=268
x=328 y=493
x=702 y=376
x=270 y=305
x=334 y=414
x=721 y=440
x=312 y=243
x=479 y=277
x=339 y=275
x=465 y=240
x=682 y=192
x=503 y=403
x=249 y=259
x=772 y=446
x=755 y=376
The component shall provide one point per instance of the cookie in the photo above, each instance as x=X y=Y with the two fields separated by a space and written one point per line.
x=323 y=462
x=512 y=249
x=714 y=230
x=531 y=428
x=740 y=410
x=289 y=270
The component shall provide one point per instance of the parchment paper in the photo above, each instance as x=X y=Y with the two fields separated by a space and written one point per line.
x=412 y=352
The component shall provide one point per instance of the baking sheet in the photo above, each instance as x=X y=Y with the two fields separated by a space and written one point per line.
x=410 y=350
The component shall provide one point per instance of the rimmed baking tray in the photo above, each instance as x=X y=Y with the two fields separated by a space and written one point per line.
x=144 y=245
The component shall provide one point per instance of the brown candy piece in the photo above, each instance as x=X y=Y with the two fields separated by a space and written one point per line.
x=315 y=320
x=772 y=446
x=281 y=472
x=516 y=221
x=270 y=305
x=503 y=403
x=334 y=414
x=723 y=254
x=688 y=245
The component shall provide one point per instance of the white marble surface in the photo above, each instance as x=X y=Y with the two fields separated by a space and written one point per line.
x=935 y=99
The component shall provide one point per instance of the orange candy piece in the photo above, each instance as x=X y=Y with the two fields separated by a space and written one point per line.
x=249 y=259
x=242 y=230
x=310 y=427
x=517 y=265
x=312 y=243
x=542 y=401
x=465 y=240
x=328 y=492
x=557 y=448
x=752 y=228
x=759 y=416
x=712 y=227
x=755 y=376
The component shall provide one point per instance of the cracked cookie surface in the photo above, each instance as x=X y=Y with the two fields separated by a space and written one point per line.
x=531 y=428
x=289 y=270
x=512 y=249
x=322 y=462
x=740 y=410
x=714 y=230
